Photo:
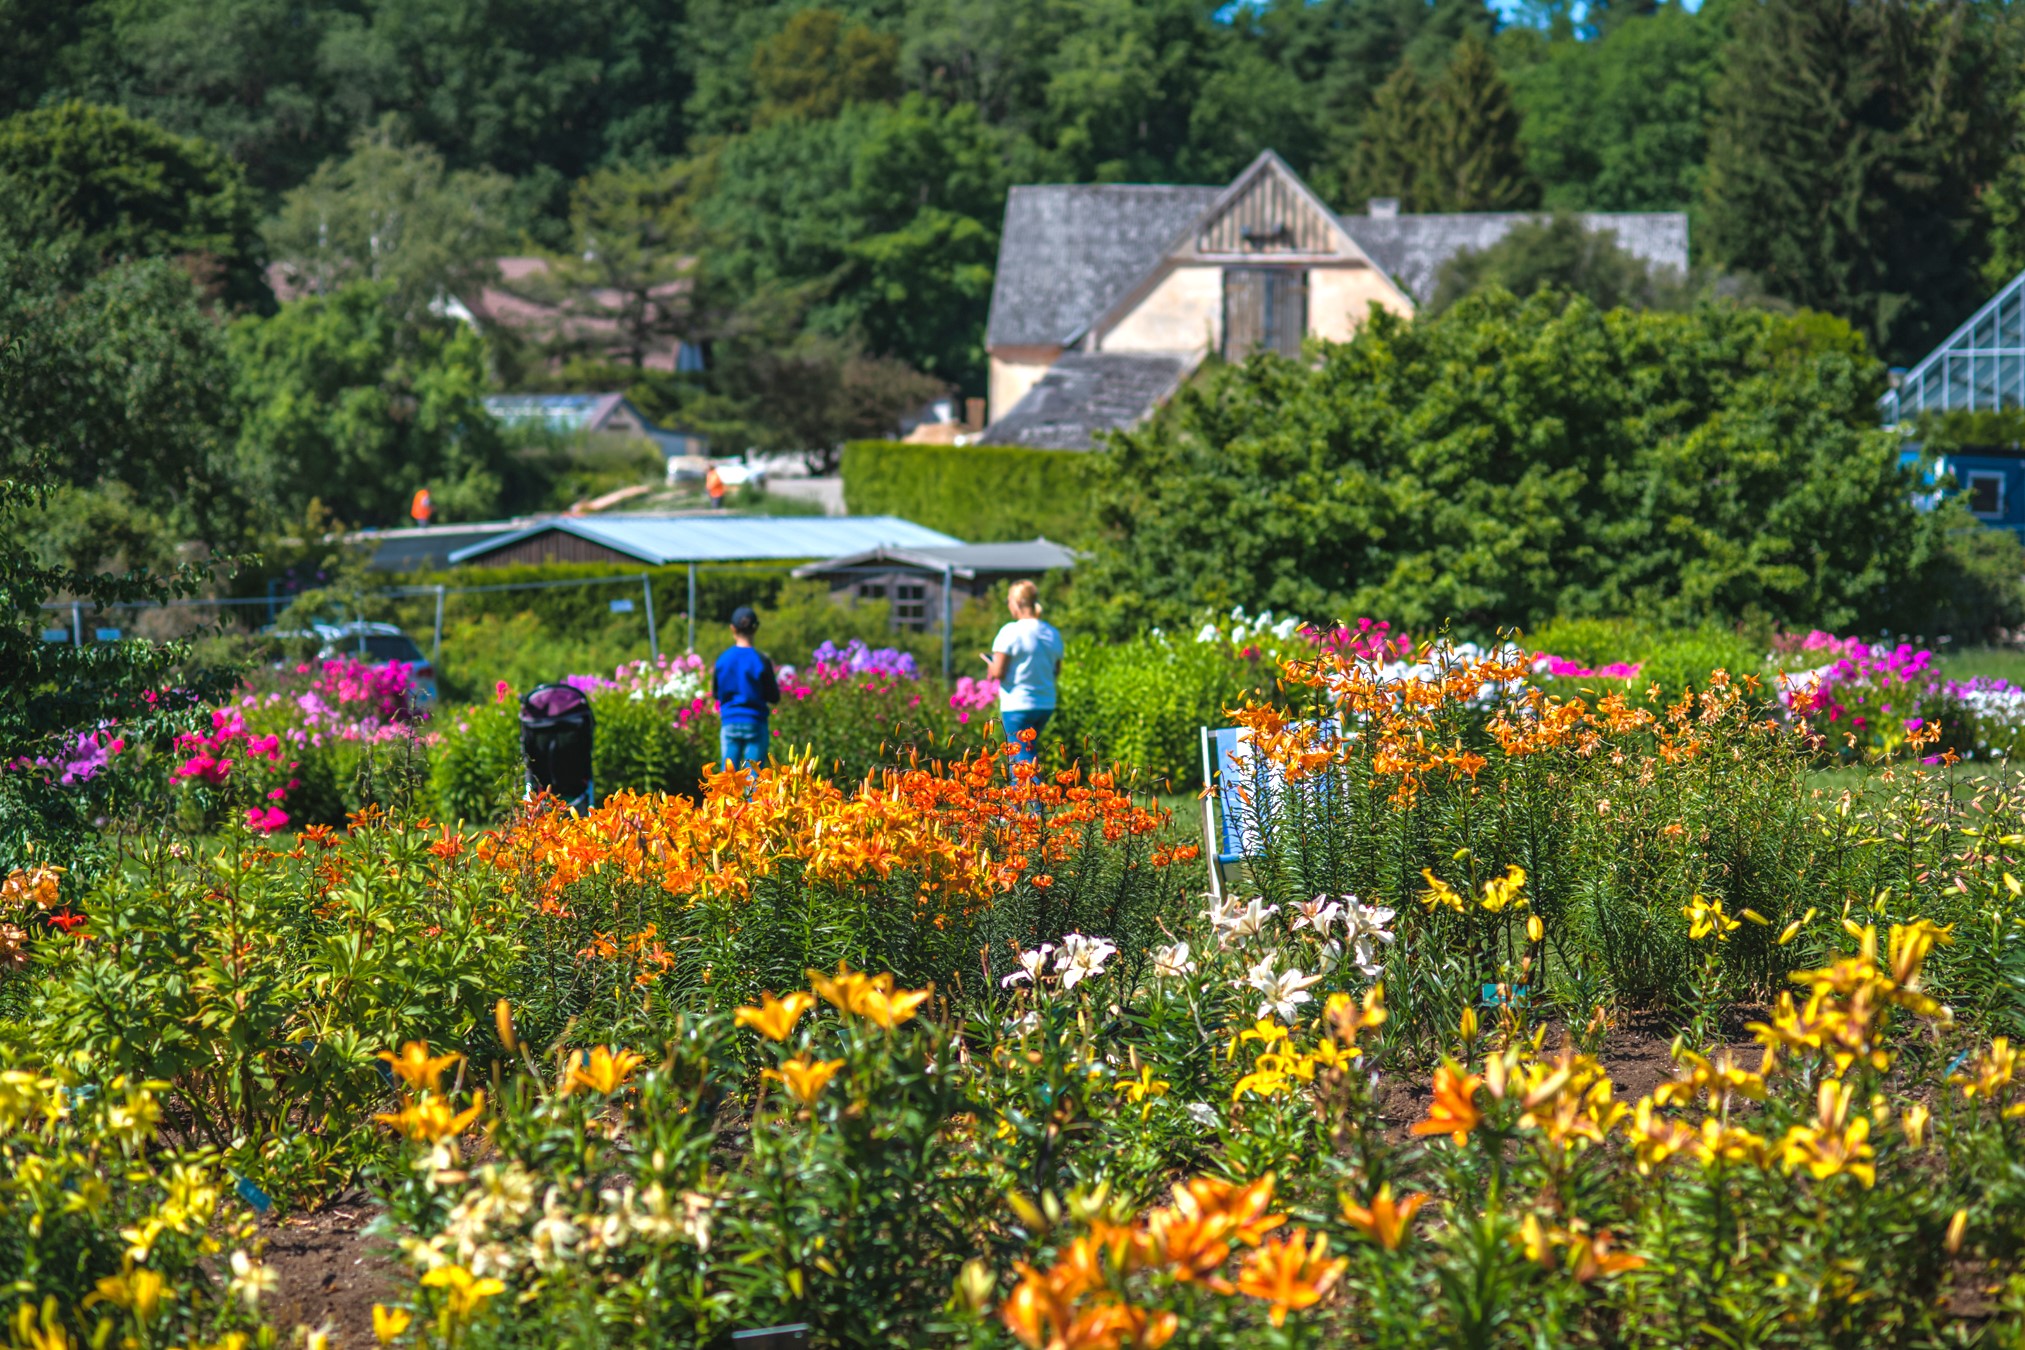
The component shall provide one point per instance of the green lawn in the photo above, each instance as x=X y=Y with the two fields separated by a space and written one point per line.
x=2005 y=663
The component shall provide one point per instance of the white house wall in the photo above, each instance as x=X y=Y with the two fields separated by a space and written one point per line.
x=1182 y=313
x=1010 y=379
x=1339 y=299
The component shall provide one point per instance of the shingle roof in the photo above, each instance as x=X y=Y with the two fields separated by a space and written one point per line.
x=1412 y=249
x=569 y=412
x=1085 y=393
x=1068 y=251
x=659 y=540
x=966 y=560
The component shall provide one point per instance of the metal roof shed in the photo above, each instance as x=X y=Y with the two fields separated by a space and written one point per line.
x=659 y=541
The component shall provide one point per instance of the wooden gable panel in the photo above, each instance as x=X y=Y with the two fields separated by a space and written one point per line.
x=1270 y=216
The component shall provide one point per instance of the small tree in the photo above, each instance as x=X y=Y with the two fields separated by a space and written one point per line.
x=391 y=212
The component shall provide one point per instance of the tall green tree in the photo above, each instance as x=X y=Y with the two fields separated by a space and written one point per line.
x=1392 y=150
x=116 y=380
x=819 y=62
x=1849 y=142
x=392 y=212
x=1619 y=122
x=1474 y=162
x=888 y=213
x=340 y=400
x=125 y=189
x=1449 y=146
x=628 y=284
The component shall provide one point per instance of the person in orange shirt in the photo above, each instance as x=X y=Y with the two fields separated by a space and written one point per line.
x=421 y=508
x=713 y=483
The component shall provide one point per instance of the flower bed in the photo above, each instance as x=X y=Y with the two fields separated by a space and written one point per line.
x=953 y=1055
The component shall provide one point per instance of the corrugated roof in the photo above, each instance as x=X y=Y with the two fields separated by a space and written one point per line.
x=1069 y=251
x=1411 y=249
x=1086 y=393
x=659 y=540
x=966 y=560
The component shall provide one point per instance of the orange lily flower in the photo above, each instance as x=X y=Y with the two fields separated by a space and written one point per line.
x=1453 y=1111
x=1385 y=1223
x=1291 y=1275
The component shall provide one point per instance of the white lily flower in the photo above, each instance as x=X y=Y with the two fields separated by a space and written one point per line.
x=1317 y=914
x=1172 y=962
x=1248 y=922
x=1082 y=957
x=1031 y=965
x=1361 y=921
x=1365 y=957
x=1203 y=1114
x=1331 y=953
x=1284 y=991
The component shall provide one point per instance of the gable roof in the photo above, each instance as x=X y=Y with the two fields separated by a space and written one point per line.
x=660 y=540
x=1412 y=248
x=1086 y=393
x=1069 y=251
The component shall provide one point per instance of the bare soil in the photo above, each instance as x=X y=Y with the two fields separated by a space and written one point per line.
x=331 y=1274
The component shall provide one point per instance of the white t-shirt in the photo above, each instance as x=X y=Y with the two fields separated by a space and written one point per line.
x=1034 y=649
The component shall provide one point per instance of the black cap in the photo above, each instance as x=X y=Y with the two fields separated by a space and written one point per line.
x=745 y=620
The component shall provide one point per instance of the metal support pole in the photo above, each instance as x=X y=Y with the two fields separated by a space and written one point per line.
x=653 y=638
x=76 y=624
x=948 y=610
x=692 y=609
x=436 y=647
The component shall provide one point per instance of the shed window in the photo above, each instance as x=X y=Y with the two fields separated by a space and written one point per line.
x=1264 y=308
x=871 y=591
x=910 y=604
x=1986 y=494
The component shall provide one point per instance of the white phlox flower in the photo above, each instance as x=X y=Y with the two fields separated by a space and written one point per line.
x=1031 y=965
x=1082 y=957
x=1283 y=991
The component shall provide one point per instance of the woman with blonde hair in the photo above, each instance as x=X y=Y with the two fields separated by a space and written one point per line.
x=1026 y=656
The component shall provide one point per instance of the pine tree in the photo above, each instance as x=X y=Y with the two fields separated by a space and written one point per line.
x=1472 y=158
x=1848 y=142
x=1391 y=150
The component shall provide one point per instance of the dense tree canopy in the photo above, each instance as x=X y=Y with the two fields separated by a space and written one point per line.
x=126 y=190
x=1857 y=158
x=341 y=401
x=1514 y=459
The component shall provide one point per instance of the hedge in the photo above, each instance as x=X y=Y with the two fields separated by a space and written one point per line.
x=979 y=493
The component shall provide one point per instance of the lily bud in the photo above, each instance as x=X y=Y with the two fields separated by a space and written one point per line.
x=502 y=1017
x=1957 y=1226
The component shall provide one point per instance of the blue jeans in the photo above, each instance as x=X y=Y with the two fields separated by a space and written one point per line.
x=1016 y=722
x=744 y=743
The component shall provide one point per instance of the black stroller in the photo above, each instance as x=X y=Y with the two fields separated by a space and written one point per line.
x=556 y=734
